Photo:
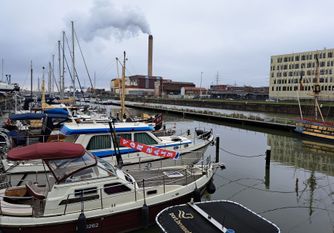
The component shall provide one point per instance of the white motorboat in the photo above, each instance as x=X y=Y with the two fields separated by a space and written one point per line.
x=84 y=193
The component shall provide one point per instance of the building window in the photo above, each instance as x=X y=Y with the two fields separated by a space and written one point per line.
x=330 y=54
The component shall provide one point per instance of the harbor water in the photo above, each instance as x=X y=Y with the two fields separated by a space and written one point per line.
x=296 y=192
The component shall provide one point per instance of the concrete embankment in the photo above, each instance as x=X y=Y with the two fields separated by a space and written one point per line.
x=244 y=105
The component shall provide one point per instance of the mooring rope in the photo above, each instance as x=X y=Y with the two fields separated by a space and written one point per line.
x=243 y=156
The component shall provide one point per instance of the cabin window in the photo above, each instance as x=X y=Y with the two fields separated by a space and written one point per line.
x=80 y=195
x=71 y=138
x=144 y=138
x=99 y=142
x=125 y=136
x=115 y=188
x=85 y=192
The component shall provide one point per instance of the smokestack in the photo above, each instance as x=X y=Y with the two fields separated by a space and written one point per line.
x=150 y=55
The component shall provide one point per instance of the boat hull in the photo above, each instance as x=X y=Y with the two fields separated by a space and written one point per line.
x=315 y=131
x=119 y=222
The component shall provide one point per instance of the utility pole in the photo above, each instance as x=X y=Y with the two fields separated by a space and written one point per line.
x=200 y=86
x=123 y=87
x=1 y=69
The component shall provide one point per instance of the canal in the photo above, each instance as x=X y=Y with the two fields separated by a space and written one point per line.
x=297 y=193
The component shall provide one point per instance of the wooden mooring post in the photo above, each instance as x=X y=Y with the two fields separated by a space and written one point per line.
x=217 y=149
x=268 y=155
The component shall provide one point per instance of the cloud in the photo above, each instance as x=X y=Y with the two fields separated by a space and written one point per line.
x=106 y=20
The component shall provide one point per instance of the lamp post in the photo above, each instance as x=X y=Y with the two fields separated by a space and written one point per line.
x=200 y=86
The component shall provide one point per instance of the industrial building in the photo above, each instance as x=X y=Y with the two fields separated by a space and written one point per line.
x=238 y=92
x=148 y=85
x=293 y=75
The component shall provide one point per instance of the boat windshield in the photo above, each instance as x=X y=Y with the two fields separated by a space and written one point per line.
x=106 y=166
x=63 y=168
x=71 y=138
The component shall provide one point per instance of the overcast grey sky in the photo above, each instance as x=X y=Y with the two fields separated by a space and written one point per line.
x=235 y=38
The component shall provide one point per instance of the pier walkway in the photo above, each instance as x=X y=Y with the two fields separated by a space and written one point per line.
x=237 y=118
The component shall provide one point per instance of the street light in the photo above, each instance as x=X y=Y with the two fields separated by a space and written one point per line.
x=200 y=86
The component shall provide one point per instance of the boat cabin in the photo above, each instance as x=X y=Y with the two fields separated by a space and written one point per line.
x=96 y=137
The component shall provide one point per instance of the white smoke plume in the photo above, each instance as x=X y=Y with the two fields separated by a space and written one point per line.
x=105 y=20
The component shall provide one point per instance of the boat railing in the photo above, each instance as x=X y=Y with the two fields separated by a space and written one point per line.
x=111 y=196
x=186 y=159
x=146 y=188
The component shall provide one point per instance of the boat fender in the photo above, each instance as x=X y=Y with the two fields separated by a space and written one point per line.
x=81 y=224
x=230 y=231
x=211 y=188
x=197 y=195
x=145 y=215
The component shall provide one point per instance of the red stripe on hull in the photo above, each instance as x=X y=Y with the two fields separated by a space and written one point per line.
x=122 y=222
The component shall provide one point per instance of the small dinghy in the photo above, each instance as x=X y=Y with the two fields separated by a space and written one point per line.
x=213 y=216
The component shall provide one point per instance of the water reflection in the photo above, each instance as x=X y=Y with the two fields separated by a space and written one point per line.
x=309 y=155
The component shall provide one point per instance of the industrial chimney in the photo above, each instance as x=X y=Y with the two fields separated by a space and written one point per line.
x=150 y=55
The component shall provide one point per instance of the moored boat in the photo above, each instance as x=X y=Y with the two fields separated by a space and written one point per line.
x=316 y=128
x=83 y=193
x=213 y=216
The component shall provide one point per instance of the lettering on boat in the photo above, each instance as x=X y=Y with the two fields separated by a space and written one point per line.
x=92 y=225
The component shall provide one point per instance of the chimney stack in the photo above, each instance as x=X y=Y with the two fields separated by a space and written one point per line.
x=150 y=55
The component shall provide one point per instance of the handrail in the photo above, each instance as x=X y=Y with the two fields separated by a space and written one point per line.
x=188 y=177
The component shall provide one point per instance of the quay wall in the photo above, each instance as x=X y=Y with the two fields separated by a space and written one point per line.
x=253 y=106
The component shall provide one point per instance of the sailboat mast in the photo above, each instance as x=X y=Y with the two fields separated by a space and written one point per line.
x=73 y=61
x=316 y=91
x=53 y=78
x=59 y=67
x=43 y=88
x=49 y=79
x=123 y=87
x=62 y=85
x=31 y=79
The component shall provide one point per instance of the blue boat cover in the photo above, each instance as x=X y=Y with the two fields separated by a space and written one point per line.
x=35 y=116
x=68 y=131
x=56 y=111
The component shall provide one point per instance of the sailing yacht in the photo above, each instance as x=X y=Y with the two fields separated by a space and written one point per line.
x=315 y=128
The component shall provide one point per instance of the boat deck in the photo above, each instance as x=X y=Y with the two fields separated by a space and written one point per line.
x=165 y=176
x=212 y=217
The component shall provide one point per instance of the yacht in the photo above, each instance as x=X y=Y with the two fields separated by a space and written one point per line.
x=83 y=193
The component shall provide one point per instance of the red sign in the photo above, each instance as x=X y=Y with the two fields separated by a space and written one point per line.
x=149 y=149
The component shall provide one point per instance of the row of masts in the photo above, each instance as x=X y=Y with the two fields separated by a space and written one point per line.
x=316 y=93
x=61 y=68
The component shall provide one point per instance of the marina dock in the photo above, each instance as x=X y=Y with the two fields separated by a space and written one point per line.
x=284 y=124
